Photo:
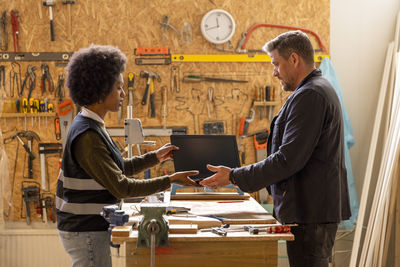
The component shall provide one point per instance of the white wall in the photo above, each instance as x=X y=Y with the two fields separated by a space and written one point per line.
x=360 y=33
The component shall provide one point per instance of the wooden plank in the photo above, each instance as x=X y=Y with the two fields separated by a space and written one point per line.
x=397 y=233
x=371 y=156
x=392 y=207
x=183 y=229
x=122 y=231
x=200 y=221
x=390 y=156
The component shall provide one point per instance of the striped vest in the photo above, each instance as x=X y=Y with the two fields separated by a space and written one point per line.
x=80 y=198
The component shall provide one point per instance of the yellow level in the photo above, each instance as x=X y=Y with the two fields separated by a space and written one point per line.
x=230 y=58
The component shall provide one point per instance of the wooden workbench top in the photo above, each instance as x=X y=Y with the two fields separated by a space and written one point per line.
x=235 y=212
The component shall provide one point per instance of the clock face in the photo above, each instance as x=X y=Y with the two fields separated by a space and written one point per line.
x=218 y=26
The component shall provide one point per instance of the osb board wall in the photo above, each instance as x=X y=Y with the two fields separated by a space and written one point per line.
x=131 y=24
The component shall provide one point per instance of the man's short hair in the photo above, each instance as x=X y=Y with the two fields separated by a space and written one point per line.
x=92 y=73
x=292 y=42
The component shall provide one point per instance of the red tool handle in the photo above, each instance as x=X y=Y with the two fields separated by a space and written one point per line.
x=278 y=229
x=65 y=107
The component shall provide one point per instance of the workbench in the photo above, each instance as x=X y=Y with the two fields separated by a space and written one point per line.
x=237 y=248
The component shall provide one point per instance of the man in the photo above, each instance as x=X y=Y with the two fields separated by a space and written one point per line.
x=305 y=168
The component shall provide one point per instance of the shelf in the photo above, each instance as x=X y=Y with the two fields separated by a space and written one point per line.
x=28 y=115
x=265 y=103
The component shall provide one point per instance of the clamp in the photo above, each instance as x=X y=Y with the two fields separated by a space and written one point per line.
x=115 y=217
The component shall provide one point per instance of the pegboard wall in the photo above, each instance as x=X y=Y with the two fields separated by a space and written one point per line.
x=130 y=25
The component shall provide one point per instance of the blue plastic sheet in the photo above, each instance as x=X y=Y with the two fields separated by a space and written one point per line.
x=329 y=73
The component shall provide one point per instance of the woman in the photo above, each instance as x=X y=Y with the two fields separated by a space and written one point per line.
x=93 y=172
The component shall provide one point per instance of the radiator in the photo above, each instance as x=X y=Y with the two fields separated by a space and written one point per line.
x=38 y=248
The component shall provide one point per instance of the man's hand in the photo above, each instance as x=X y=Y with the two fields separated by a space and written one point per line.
x=182 y=178
x=165 y=152
x=220 y=178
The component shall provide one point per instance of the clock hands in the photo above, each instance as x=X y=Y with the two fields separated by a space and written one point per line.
x=213 y=27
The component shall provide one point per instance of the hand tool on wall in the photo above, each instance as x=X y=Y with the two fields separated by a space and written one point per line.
x=69 y=3
x=29 y=135
x=30 y=80
x=175 y=80
x=30 y=193
x=65 y=114
x=214 y=127
x=165 y=25
x=3 y=79
x=131 y=83
x=50 y=4
x=246 y=35
x=151 y=51
x=269 y=96
x=152 y=56
x=45 y=149
x=200 y=78
x=48 y=207
x=245 y=122
x=18 y=105
x=15 y=78
x=152 y=100
x=150 y=75
x=59 y=92
x=15 y=28
x=211 y=106
x=28 y=148
x=3 y=32
x=46 y=77
x=186 y=33
x=164 y=111
x=57 y=128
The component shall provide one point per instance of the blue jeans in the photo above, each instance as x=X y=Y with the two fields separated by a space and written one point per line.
x=312 y=245
x=87 y=249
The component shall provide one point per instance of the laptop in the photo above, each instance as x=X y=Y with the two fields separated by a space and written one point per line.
x=196 y=151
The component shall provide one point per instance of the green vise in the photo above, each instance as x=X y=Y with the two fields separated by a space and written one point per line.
x=153 y=224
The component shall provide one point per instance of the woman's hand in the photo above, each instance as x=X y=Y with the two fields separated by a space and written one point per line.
x=182 y=178
x=165 y=152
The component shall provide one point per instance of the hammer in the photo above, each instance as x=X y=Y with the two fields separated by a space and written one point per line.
x=50 y=3
x=149 y=75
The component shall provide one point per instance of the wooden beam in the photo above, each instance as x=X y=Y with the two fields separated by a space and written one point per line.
x=371 y=156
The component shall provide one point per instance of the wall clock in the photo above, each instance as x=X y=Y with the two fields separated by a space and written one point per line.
x=217 y=26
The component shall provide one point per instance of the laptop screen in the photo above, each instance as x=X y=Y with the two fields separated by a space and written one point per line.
x=196 y=151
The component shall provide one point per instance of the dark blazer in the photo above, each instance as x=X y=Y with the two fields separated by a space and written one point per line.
x=305 y=168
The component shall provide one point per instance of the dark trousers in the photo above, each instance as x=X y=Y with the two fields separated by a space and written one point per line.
x=312 y=246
